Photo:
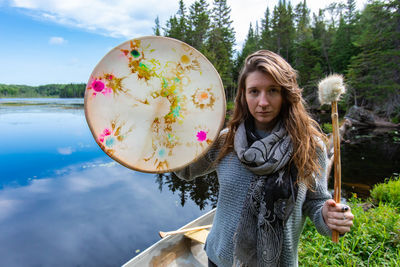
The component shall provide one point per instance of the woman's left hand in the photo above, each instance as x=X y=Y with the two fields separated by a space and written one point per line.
x=337 y=216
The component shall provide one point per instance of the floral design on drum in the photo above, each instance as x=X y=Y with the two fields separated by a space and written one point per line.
x=165 y=89
x=113 y=136
x=106 y=84
x=203 y=98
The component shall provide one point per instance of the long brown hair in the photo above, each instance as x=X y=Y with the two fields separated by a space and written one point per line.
x=303 y=130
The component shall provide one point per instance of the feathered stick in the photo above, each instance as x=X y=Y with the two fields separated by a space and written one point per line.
x=330 y=90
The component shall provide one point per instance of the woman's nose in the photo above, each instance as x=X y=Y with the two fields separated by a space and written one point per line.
x=263 y=101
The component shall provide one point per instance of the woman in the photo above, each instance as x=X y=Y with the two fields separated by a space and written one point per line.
x=271 y=164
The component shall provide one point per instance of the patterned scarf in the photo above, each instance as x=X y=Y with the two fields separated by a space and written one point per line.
x=270 y=198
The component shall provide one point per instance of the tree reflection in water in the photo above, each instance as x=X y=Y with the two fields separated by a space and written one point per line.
x=202 y=190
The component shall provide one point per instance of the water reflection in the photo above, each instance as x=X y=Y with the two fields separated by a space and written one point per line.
x=94 y=214
x=202 y=190
x=64 y=202
x=33 y=143
x=368 y=157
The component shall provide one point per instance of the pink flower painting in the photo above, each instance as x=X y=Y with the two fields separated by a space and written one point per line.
x=106 y=132
x=201 y=136
x=99 y=87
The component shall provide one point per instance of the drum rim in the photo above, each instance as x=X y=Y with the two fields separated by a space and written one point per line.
x=202 y=154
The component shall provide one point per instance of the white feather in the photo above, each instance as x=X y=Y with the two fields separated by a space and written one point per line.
x=330 y=89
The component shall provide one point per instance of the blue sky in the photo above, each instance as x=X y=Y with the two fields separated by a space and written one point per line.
x=60 y=41
x=29 y=56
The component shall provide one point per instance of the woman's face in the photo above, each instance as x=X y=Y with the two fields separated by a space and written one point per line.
x=264 y=99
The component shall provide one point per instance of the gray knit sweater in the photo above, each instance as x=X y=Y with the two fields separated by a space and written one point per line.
x=234 y=180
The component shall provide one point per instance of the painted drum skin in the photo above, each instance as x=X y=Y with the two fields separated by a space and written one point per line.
x=155 y=104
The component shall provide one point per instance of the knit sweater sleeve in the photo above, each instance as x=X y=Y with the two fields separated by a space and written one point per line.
x=315 y=199
x=204 y=165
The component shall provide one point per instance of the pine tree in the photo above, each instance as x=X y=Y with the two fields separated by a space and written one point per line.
x=251 y=44
x=156 y=29
x=199 y=24
x=182 y=21
x=177 y=25
x=307 y=56
x=343 y=47
x=282 y=34
x=350 y=14
x=302 y=18
x=265 y=35
x=172 y=28
x=335 y=11
x=323 y=38
x=219 y=46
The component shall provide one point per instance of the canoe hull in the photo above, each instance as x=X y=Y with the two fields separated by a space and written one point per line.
x=175 y=250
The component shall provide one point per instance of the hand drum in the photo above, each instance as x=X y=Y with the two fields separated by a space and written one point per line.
x=155 y=104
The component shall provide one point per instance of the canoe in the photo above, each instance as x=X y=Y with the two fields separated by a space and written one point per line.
x=176 y=250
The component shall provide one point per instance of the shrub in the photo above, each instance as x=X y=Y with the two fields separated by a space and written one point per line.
x=388 y=192
x=327 y=128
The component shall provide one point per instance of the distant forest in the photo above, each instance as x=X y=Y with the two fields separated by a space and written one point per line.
x=364 y=46
x=71 y=90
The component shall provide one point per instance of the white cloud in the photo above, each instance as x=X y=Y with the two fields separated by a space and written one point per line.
x=122 y=18
x=66 y=150
x=129 y=19
x=7 y=207
x=57 y=40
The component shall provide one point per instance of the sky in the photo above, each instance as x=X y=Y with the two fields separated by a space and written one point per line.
x=59 y=41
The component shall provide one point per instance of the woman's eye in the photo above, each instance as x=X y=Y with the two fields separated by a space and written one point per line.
x=274 y=90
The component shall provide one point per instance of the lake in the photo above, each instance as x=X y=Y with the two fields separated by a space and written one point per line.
x=64 y=202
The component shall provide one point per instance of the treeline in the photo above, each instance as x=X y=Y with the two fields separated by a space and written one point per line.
x=49 y=90
x=364 y=46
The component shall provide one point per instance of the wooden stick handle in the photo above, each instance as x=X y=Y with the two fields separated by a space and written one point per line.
x=337 y=167
x=164 y=234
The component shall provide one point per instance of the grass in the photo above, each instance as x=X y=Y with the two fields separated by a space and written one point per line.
x=374 y=239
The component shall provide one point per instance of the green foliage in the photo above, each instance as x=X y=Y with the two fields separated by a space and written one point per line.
x=374 y=240
x=265 y=35
x=220 y=43
x=15 y=90
x=282 y=30
x=230 y=105
x=156 y=29
x=374 y=73
x=327 y=127
x=343 y=47
x=251 y=45
x=203 y=190
x=388 y=192
x=199 y=24
x=48 y=90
